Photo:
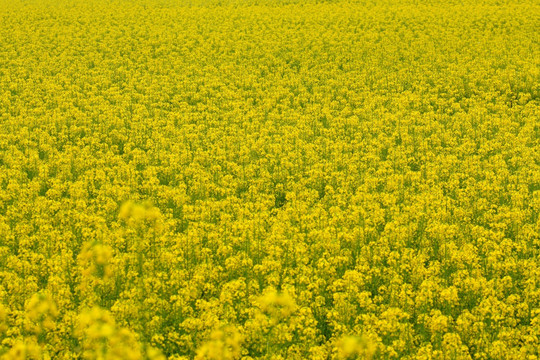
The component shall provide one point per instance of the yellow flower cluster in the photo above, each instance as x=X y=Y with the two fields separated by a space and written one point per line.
x=269 y=179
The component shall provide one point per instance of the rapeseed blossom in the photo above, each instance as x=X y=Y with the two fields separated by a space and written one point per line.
x=259 y=179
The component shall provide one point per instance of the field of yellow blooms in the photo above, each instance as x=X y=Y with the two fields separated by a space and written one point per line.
x=269 y=179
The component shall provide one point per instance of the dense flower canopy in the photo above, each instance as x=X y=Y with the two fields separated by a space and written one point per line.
x=257 y=179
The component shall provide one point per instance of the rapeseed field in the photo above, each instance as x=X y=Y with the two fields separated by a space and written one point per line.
x=258 y=179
